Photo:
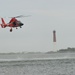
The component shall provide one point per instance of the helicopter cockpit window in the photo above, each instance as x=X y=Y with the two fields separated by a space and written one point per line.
x=18 y=22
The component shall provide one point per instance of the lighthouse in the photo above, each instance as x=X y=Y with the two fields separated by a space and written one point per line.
x=54 y=41
x=54 y=36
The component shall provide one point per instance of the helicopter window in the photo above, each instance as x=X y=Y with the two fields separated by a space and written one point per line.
x=18 y=22
x=14 y=23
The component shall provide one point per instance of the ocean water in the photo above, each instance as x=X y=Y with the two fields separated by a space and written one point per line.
x=37 y=64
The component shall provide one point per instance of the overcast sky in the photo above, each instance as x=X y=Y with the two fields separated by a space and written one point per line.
x=37 y=33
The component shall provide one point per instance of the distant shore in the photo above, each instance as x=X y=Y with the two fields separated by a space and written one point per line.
x=68 y=50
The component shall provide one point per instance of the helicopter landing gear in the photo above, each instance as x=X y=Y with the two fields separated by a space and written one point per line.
x=11 y=30
x=16 y=28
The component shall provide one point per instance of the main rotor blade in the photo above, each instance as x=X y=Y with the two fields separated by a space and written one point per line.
x=20 y=16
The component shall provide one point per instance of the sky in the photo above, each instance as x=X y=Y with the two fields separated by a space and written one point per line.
x=37 y=33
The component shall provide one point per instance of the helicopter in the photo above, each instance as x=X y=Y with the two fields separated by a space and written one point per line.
x=13 y=23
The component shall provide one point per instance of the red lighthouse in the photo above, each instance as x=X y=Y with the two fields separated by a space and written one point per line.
x=54 y=36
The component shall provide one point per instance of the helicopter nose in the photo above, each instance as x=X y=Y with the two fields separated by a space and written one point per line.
x=21 y=24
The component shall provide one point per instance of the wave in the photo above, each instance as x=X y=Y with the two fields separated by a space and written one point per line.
x=30 y=57
x=34 y=59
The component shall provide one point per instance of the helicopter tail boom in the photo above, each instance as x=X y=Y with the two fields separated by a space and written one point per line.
x=3 y=25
